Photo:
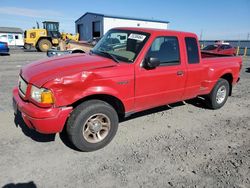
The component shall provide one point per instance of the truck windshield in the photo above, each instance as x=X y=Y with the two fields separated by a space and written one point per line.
x=121 y=45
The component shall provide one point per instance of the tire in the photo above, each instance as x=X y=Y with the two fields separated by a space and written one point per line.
x=27 y=46
x=44 y=45
x=219 y=95
x=92 y=125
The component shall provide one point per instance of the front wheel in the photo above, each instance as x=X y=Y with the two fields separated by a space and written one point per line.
x=218 y=96
x=92 y=125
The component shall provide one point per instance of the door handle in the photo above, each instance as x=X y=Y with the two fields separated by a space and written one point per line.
x=180 y=73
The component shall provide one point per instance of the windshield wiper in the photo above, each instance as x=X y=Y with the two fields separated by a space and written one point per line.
x=108 y=54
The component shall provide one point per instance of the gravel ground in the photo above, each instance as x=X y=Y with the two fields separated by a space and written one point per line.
x=181 y=145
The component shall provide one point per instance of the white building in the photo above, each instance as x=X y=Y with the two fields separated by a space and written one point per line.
x=12 y=35
x=92 y=25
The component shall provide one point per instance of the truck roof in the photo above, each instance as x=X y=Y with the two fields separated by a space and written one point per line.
x=157 y=31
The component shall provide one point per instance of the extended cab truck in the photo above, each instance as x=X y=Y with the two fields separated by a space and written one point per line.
x=86 y=93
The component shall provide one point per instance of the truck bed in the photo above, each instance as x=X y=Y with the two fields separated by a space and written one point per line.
x=216 y=67
x=205 y=54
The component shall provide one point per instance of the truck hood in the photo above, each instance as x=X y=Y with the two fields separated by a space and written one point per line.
x=42 y=71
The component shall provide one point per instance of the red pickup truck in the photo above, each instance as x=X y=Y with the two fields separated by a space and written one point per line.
x=129 y=70
x=218 y=49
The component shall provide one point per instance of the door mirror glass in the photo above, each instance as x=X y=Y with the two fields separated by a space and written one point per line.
x=151 y=62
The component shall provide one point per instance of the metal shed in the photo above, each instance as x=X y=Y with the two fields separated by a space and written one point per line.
x=91 y=25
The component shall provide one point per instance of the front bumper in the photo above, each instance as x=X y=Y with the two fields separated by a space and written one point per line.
x=43 y=120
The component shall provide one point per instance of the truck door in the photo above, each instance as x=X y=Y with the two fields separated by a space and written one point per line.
x=164 y=84
x=19 y=40
x=195 y=72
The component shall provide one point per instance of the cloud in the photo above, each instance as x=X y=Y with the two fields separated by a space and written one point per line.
x=29 y=12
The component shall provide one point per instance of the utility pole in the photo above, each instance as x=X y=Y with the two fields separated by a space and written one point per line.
x=248 y=35
x=201 y=34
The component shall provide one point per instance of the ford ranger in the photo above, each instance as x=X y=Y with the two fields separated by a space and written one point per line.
x=129 y=70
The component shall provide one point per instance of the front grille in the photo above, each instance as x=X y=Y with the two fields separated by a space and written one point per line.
x=22 y=86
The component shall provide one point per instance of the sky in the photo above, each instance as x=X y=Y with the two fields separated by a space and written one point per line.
x=209 y=19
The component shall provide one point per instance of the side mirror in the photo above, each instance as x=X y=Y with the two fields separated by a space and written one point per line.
x=151 y=62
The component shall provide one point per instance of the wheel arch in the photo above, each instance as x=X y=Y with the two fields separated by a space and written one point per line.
x=229 y=78
x=116 y=103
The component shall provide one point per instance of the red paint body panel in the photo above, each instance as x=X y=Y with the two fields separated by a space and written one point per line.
x=74 y=77
x=43 y=120
x=45 y=70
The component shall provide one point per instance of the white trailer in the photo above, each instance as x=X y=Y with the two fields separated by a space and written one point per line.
x=13 y=36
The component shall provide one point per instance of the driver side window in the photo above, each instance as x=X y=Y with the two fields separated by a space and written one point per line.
x=166 y=49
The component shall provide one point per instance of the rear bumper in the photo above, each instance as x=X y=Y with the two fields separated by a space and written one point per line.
x=43 y=120
x=4 y=51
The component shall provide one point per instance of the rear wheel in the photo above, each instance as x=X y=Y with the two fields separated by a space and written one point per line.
x=92 y=125
x=44 y=45
x=218 y=96
x=27 y=46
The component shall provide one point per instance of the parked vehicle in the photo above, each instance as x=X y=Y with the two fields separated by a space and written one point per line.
x=47 y=37
x=4 y=49
x=70 y=47
x=12 y=39
x=219 y=49
x=89 y=92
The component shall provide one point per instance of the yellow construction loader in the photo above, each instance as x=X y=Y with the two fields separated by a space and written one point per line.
x=44 y=39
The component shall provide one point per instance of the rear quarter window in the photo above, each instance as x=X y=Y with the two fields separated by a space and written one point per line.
x=192 y=50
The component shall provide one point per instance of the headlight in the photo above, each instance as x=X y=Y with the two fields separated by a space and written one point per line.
x=42 y=95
